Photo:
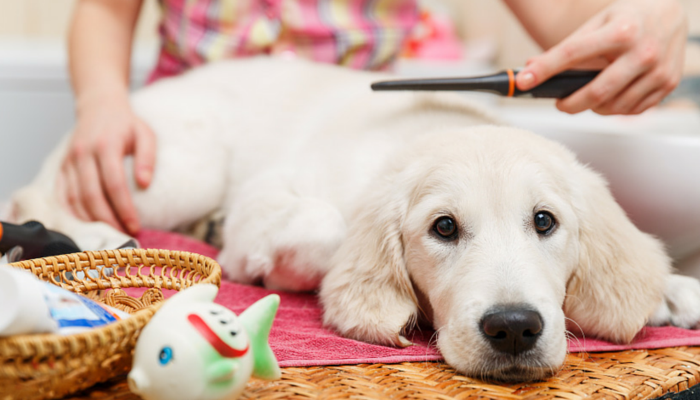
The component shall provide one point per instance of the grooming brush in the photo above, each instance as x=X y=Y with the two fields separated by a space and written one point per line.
x=35 y=240
x=503 y=83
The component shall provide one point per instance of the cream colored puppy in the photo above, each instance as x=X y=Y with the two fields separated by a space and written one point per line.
x=400 y=206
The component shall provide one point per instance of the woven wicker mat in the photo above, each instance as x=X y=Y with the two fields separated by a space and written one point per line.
x=633 y=374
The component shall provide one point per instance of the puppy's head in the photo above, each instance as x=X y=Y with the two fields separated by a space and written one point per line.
x=494 y=234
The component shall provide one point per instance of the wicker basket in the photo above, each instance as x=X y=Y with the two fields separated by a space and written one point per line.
x=47 y=366
x=623 y=375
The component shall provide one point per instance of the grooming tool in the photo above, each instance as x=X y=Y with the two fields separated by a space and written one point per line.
x=503 y=83
x=35 y=240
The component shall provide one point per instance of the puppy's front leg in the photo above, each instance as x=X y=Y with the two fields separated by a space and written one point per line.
x=276 y=235
x=681 y=305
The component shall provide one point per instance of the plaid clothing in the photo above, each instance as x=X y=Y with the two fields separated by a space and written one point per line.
x=362 y=34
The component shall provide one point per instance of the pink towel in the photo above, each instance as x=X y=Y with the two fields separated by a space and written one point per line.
x=298 y=337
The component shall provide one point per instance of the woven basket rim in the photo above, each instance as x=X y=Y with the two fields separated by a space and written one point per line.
x=46 y=264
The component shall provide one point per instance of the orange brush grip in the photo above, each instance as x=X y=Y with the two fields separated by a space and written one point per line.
x=511 y=83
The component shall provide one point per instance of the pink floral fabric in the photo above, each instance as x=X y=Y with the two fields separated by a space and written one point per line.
x=361 y=34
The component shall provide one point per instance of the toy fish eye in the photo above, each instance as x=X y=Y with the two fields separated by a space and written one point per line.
x=233 y=333
x=166 y=355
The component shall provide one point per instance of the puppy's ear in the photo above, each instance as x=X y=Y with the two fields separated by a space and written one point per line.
x=622 y=271
x=368 y=295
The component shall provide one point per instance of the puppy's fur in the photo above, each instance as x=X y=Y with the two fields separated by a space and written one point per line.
x=324 y=183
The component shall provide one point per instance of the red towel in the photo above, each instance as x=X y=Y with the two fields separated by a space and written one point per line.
x=298 y=337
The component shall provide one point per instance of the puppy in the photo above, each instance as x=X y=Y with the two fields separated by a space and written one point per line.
x=399 y=206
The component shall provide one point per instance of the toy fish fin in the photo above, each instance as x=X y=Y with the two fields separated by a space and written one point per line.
x=221 y=370
x=257 y=320
x=204 y=293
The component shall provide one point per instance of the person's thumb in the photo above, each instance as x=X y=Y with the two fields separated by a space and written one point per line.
x=144 y=155
x=526 y=79
x=582 y=49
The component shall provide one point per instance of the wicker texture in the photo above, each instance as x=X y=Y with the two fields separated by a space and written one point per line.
x=633 y=374
x=45 y=366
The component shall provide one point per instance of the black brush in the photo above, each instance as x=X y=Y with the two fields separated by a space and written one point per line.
x=35 y=240
x=503 y=83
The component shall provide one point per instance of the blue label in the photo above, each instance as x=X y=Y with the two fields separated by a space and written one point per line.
x=72 y=310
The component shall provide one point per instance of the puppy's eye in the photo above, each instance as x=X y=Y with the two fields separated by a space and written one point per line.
x=446 y=228
x=544 y=222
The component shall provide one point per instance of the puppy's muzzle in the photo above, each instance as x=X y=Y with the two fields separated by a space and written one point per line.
x=512 y=329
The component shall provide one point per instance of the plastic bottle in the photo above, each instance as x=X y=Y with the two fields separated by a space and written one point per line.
x=29 y=305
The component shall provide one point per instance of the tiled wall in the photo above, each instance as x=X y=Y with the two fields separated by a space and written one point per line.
x=50 y=18
x=480 y=18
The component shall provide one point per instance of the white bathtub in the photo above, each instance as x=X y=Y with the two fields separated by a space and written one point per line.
x=652 y=162
x=36 y=104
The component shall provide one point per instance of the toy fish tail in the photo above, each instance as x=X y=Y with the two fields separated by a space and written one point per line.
x=257 y=320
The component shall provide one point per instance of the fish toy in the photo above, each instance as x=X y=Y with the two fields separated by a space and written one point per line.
x=195 y=349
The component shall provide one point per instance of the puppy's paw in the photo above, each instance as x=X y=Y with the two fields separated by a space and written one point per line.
x=681 y=305
x=247 y=268
x=303 y=248
x=368 y=308
x=383 y=325
x=286 y=242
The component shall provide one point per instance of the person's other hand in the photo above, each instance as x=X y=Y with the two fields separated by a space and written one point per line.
x=92 y=180
x=640 y=46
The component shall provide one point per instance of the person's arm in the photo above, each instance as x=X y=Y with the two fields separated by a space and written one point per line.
x=639 y=45
x=548 y=22
x=99 y=42
x=92 y=180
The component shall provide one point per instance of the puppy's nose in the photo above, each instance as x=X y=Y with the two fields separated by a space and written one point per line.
x=513 y=331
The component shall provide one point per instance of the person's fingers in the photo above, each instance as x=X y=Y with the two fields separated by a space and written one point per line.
x=72 y=192
x=664 y=77
x=640 y=90
x=575 y=50
x=650 y=101
x=144 y=154
x=91 y=193
x=612 y=81
x=113 y=178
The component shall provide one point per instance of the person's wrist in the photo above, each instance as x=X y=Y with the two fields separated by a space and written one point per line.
x=113 y=96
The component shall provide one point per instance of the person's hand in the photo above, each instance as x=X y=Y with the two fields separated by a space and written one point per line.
x=640 y=46
x=92 y=181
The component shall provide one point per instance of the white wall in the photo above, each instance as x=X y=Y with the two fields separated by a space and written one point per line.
x=35 y=108
x=50 y=18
